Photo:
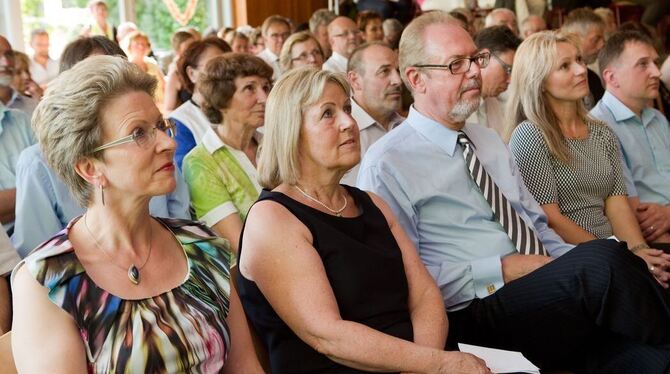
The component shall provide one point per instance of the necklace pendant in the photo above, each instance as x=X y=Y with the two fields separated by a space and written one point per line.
x=134 y=275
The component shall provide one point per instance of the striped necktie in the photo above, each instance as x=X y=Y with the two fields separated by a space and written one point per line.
x=522 y=236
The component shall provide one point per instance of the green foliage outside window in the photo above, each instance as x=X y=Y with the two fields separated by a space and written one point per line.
x=155 y=20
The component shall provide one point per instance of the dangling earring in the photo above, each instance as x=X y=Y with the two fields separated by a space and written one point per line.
x=102 y=194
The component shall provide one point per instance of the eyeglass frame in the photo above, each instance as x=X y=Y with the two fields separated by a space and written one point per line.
x=507 y=67
x=170 y=130
x=346 y=34
x=471 y=59
x=304 y=56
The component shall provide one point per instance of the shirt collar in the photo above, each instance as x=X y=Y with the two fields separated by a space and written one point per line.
x=212 y=142
x=15 y=97
x=433 y=131
x=273 y=57
x=622 y=113
x=339 y=58
x=364 y=120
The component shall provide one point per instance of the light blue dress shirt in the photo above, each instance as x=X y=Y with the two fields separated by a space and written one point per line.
x=645 y=146
x=45 y=205
x=15 y=135
x=419 y=170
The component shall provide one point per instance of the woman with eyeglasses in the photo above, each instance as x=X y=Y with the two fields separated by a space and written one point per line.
x=119 y=290
x=570 y=161
x=221 y=171
x=300 y=49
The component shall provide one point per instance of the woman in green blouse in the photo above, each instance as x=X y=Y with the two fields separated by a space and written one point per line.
x=221 y=171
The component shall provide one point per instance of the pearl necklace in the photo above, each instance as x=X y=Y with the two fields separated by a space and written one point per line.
x=133 y=271
x=337 y=212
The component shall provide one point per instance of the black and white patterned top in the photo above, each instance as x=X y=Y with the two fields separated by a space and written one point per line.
x=579 y=188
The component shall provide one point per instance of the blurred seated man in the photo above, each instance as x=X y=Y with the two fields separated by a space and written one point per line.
x=318 y=25
x=532 y=24
x=344 y=36
x=376 y=95
x=501 y=43
x=502 y=16
x=589 y=28
x=629 y=65
x=8 y=95
x=43 y=68
x=507 y=280
x=276 y=30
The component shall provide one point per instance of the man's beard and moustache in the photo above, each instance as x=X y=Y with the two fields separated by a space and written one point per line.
x=464 y=108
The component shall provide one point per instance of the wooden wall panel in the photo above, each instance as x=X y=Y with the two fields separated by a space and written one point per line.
x=253 y=12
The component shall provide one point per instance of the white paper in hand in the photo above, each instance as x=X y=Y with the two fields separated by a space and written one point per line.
x=501 y=361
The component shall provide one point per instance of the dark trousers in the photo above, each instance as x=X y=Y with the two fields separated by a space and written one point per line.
x=595 y=309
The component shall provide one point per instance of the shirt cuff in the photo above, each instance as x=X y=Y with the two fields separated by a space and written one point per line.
x=222 y=211
x=487 y=276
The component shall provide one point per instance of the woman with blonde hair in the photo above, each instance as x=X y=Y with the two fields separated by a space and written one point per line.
x=137 y=46
x=569 y=161
x=300 y=49
x=326 y=273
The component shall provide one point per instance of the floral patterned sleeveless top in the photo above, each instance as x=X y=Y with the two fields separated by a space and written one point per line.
x=181 y=330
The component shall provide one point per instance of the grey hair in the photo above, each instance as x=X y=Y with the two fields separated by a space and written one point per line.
x=321 y=17
x=296 y=91
x=490 y=18
x=67 y=122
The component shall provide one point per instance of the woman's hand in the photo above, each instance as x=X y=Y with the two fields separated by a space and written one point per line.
x=658 y=263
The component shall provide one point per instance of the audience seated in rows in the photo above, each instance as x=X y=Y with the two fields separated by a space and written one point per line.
x=221 y=170
x=507 y=279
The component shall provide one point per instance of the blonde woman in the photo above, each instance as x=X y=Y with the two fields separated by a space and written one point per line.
x=326 y=273
x=137 y=46
x=569 y=161
x=300 y=49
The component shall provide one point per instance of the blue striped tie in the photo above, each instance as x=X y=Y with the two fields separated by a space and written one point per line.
x=522 y=236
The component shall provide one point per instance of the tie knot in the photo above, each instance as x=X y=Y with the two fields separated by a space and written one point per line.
x=463 y=139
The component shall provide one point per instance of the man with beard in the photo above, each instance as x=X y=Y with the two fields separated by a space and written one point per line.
x=507 y=280
x=375 y=83
x=344 y=36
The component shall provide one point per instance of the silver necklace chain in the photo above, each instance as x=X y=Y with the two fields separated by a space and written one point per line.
x=337 y=212
x=135 y=279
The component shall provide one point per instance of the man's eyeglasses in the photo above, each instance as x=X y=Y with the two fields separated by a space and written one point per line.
x=306 y=55
x=283 y=35
x=508 y=68
x=143 y=137
x=461 y=65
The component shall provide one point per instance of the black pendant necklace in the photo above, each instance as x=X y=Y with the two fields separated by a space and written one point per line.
x=133 y=271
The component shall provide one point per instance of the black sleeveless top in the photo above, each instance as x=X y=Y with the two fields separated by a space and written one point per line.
x=364 y=266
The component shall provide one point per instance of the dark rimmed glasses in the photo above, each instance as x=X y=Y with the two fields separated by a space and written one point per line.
x=505 y=66
x=143 y=137
x=461 y=65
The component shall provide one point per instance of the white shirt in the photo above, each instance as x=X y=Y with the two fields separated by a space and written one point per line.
x=272 y=60
x=336 y=63
x=371 y=131
x=43 y=75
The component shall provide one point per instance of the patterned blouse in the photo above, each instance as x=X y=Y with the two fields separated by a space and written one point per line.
x=182 y=330
x=222 y=180
x=579 y=189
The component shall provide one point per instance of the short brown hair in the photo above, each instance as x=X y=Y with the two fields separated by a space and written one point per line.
x=616 y=44
x=179 y=37
x=85 y=46
x=191 y=56
x=365 y=17
x=271 y=21
x=217 y=81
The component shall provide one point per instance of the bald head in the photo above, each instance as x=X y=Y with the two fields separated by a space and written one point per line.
x=502 y=17
x=343 y=35
x=531 y=25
